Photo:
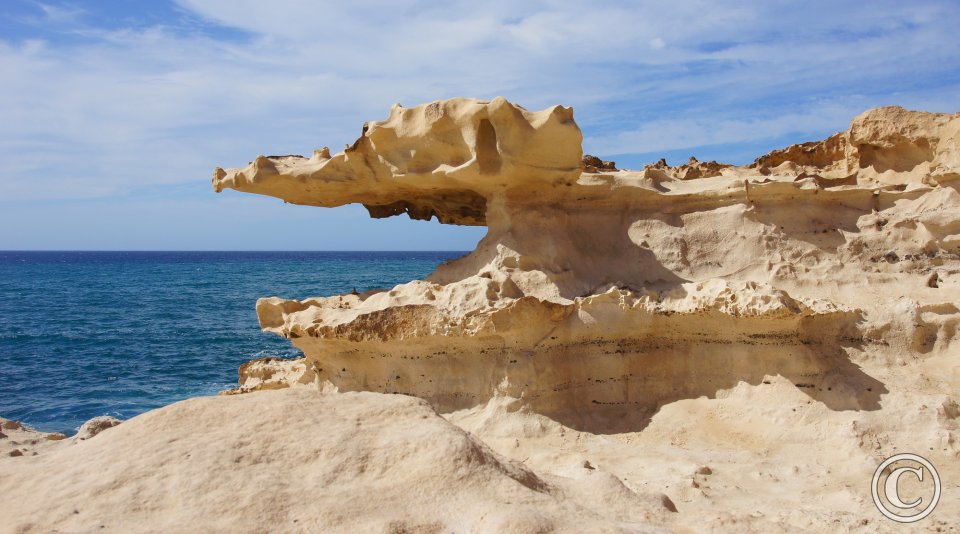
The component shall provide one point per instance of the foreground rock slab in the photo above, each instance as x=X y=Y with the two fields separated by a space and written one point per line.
x=299 y=461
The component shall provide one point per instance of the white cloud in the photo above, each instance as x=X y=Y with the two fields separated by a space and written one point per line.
x=668 y=134
x=60 y=13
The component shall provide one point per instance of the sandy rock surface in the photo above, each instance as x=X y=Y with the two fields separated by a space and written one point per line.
x=297 y=460
x=17 y=440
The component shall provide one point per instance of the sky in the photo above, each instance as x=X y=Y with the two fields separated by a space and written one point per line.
x=113 y=113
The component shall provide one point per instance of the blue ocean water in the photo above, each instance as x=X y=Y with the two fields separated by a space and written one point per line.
x=84 y=334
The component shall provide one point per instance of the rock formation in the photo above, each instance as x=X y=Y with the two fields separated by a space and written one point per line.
x=808 y=299
x=598 y=297
x=698 y=348
x=95 y=426
x=474 y=148
x=17 y=440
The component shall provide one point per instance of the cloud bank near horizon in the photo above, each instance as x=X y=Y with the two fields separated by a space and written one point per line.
x=137 y=104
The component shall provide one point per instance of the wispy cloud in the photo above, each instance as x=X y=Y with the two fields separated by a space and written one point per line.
x=63 y=13
x=673 y=133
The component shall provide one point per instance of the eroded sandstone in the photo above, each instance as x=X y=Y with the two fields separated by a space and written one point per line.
x=598 y=297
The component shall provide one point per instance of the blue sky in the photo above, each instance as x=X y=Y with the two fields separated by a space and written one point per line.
x=114 y=113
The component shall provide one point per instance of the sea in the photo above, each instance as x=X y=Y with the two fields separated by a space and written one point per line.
x=84 y=334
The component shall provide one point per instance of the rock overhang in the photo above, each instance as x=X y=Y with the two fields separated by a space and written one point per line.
x=444 y=159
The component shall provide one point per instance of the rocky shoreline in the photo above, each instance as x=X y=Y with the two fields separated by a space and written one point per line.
x=698 y=348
